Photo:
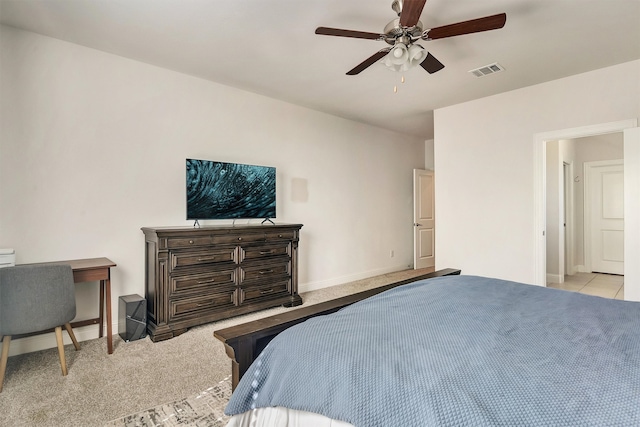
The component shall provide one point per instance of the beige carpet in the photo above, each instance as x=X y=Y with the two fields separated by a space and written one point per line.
x=139 y=376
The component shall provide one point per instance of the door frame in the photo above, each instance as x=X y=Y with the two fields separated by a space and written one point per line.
x=539 y=182
x=568 y=264
x=556 y=183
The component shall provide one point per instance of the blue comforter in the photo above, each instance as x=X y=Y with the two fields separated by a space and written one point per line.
x=455 y=351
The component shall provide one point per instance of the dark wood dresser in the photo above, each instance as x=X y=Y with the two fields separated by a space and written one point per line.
x=199 y=275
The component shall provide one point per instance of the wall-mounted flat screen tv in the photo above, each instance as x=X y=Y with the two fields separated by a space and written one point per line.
x=218 y=190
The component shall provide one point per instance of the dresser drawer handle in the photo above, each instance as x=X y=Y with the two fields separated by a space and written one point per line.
x=266 y=252
x=191 y=242
x=280 y=236
x=270 y=291
x=239 y=238
x=211 y=258
x=202 y=282
x=265 y=271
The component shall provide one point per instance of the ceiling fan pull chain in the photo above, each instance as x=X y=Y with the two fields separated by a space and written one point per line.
x=395 y=88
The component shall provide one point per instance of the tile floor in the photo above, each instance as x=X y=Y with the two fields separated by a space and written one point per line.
x=602 y=285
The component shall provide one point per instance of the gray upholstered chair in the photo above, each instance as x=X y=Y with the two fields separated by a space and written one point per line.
x=36 y=298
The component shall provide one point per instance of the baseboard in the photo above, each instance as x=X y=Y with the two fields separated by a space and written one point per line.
x=554 y=278
x=46 y=341
x=314 y=286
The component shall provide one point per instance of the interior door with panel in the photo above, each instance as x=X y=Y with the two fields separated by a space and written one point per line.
x=605 y=209
x=423 y=219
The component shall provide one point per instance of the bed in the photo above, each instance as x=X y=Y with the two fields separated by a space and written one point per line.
x=450 y=350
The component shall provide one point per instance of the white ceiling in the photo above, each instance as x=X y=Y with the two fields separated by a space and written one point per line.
x=269 y=47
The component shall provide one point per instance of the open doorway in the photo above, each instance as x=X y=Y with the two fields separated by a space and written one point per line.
x=631 y=146
x=572 y=168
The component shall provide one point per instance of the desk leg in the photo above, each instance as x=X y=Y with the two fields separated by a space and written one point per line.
x=101 y=312
x=109 y=322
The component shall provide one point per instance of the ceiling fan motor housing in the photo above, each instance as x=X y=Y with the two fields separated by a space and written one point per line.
x=394 y=31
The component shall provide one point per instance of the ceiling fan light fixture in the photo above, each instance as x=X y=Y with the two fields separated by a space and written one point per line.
x=399 y=54
x=416 y=54
x=397 y=57
x=402 y=57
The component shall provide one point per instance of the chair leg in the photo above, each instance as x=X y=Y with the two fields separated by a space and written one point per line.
x=3 y=359
x=63 y=362
x=67 y=326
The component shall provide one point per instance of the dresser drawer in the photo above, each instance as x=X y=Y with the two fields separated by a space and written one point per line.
x=188 y=242
x=233 y=238
x=202 y=282
x=264 y=272
x=180 y=259
x=264 y=251
x=181 y=308
x=280 y=235
x=263 y=292
x=263 y=236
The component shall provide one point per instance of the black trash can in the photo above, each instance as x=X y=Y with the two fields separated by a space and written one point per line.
x=132 y=317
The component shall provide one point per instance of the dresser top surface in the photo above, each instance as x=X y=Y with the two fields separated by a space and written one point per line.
x=225 y=227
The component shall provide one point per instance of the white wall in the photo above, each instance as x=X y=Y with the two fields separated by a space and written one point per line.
x=93 y=147
x=554 y=196
x=484 y=156
x=567 y=154
x=429 y=160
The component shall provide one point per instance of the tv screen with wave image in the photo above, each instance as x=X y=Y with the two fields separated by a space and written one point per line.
x=219 y=190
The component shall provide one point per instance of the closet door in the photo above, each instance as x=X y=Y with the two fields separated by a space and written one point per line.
x=424 y=238
x=605 y=208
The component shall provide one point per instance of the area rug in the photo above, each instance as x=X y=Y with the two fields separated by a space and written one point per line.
x=206 y=409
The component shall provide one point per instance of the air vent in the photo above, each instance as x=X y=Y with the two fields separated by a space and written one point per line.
x=487 y=69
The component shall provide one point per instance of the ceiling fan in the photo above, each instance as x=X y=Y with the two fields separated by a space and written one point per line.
x=404 y=31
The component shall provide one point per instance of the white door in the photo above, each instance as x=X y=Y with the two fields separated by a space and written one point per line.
x=423 y=219
x=605 y=208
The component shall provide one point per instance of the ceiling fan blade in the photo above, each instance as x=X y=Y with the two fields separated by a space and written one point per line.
x=411 y=11
x=487 y=23
x=325 y=31
x=368 y=62
x=431 y=64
